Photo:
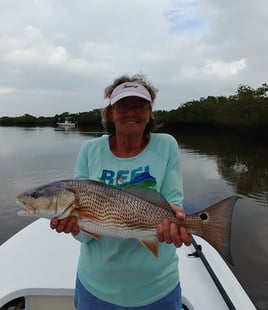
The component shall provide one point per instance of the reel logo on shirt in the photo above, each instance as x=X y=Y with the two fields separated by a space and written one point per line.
x=124 y=178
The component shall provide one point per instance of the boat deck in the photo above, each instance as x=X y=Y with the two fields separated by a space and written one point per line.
x=39 y=264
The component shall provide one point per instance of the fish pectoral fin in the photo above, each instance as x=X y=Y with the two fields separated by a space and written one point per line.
x=152 y=245
x=92 y=235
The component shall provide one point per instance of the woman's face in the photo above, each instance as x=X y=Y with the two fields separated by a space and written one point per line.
x=130 y=115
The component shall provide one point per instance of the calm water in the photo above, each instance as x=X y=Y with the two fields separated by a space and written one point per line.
x=214 y=166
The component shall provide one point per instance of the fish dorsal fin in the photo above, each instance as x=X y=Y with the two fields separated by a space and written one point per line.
x=148 y=195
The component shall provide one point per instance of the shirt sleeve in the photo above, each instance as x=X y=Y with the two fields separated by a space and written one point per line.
x=81 y=165
x=172 y=185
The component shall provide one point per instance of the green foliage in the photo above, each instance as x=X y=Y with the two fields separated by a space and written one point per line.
x=89 y=118
x=27 y=120
x=92 y=118
x=246 y=110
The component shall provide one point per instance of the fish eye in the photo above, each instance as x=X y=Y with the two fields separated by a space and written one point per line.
x=35 y=195
x=203 y=216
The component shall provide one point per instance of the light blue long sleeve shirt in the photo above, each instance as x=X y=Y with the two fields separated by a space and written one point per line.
x=122 y=271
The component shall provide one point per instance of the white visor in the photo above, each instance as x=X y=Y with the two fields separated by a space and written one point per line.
x=129 y=89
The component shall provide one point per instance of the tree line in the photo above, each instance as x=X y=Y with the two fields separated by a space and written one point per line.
x=91 y=118
x=246 y=110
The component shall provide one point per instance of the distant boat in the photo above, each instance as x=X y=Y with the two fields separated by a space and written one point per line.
x=68 y=123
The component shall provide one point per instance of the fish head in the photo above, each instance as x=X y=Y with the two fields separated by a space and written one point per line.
x=52 y=200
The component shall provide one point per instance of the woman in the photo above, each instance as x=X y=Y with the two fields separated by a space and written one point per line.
x=120 y=273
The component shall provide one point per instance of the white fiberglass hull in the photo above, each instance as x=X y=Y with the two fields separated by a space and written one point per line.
x=40 y=265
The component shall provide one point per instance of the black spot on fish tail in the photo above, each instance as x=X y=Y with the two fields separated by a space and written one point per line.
x=215 y=222
x=203 y=216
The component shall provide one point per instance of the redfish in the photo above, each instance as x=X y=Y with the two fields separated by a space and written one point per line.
x=132 y=212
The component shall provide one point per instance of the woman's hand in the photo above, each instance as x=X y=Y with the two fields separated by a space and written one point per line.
x=67 y=225
x=170 y=232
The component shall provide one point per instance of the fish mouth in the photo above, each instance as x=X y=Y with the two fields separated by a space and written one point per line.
x=26 y=209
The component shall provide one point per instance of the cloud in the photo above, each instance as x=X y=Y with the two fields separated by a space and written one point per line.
x=33 y=49
x=68 y=52
x=224 y=69
x=6 y=90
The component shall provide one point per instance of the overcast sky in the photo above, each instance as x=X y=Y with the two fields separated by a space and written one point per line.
x=59 y=55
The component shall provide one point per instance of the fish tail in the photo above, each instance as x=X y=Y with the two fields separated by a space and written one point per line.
x=216 y=226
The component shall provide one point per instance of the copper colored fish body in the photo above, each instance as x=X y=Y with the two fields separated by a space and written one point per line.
x=132 y=212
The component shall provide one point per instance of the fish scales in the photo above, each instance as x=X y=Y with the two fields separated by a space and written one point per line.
x=132 y=212
x=123 y=209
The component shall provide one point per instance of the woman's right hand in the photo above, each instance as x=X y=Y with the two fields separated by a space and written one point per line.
x=66 y=225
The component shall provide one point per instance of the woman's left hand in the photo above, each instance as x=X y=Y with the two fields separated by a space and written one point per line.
x=171 y=233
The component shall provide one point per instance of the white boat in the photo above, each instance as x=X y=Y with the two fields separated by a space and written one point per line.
x=68 y=123
x=38 y=269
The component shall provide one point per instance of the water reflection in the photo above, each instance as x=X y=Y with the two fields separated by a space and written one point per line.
x=217 y=165
x=248 y=172
x=244 y=166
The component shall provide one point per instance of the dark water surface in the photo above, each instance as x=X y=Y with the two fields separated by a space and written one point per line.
x=214 y=165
